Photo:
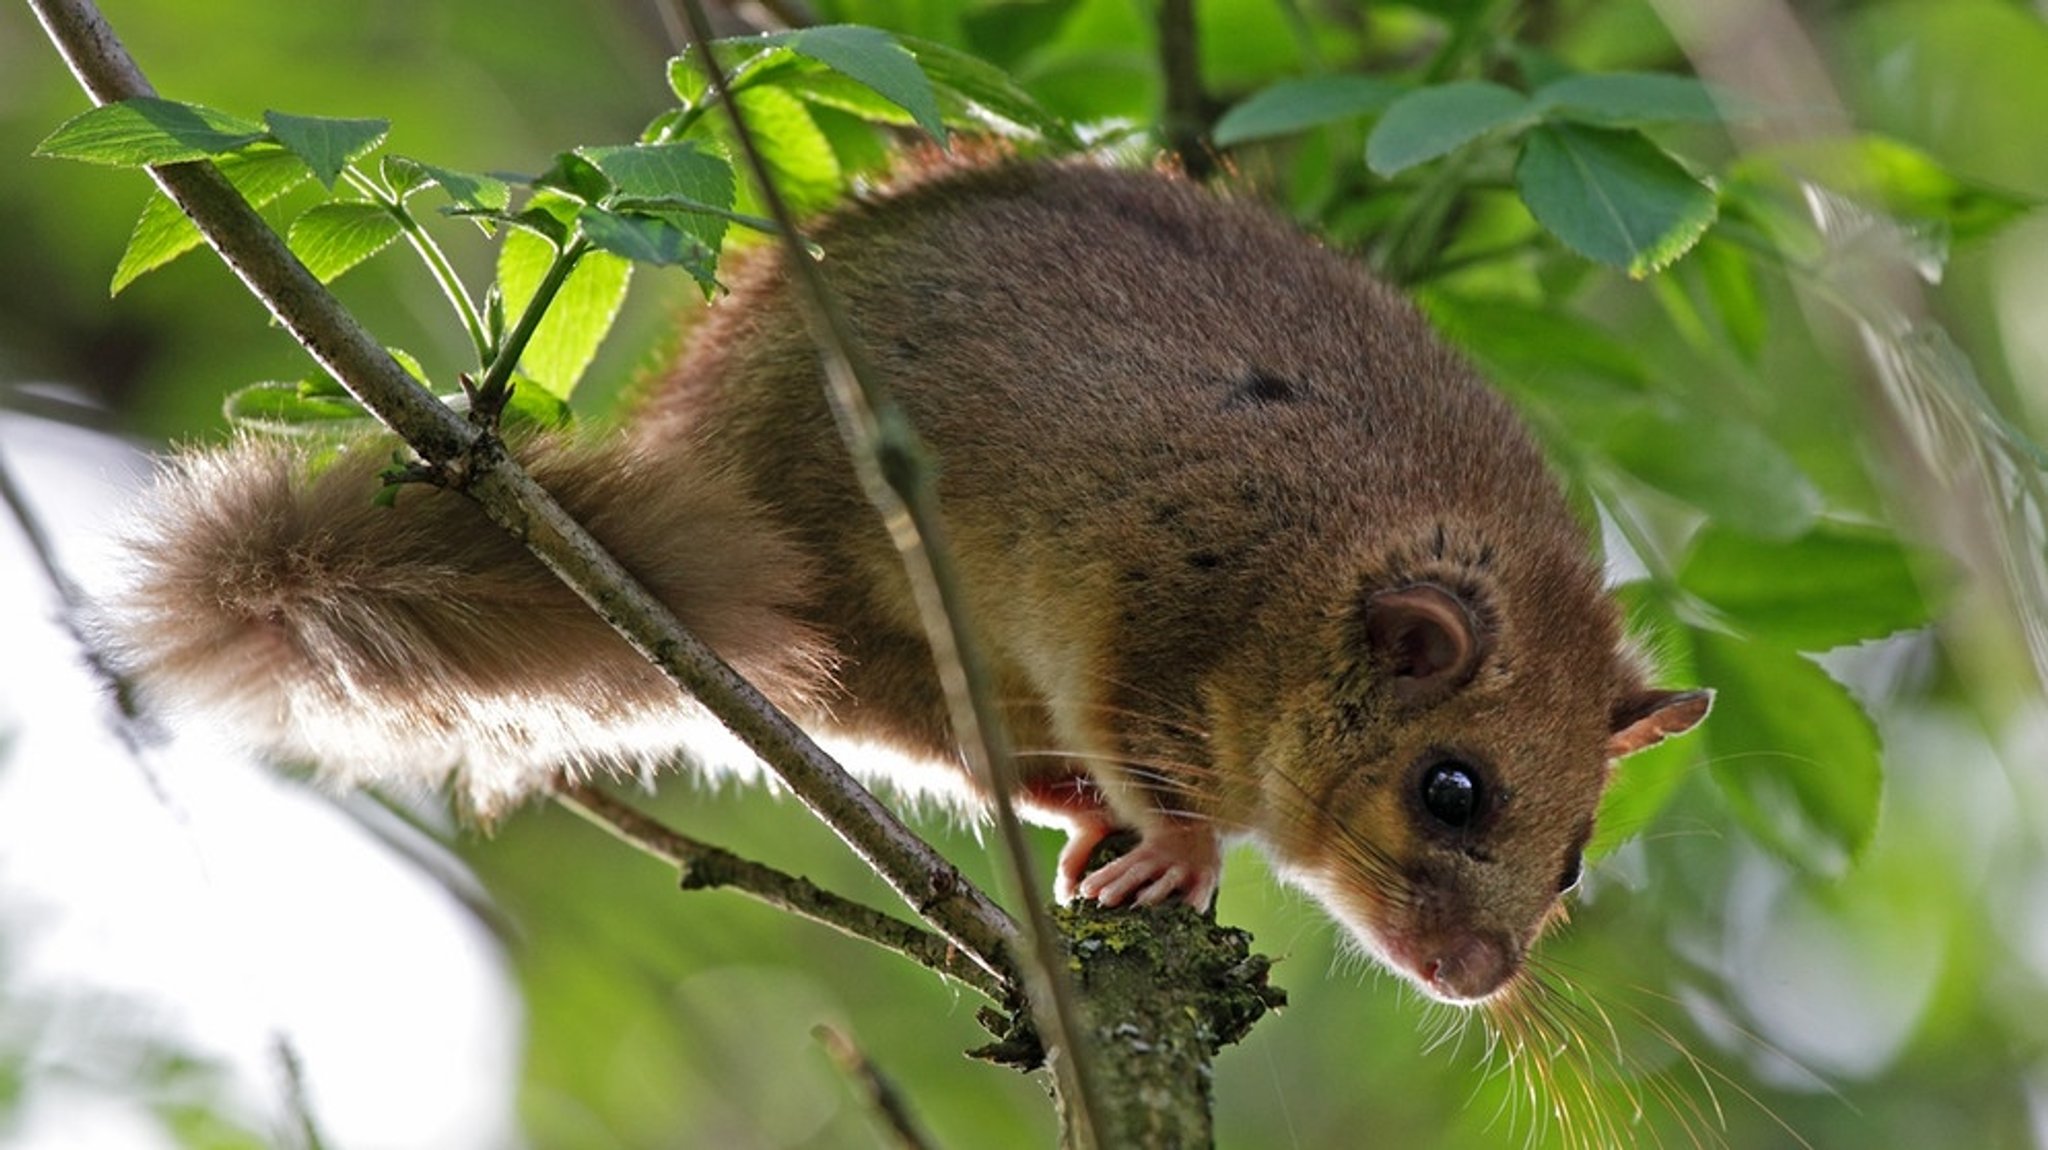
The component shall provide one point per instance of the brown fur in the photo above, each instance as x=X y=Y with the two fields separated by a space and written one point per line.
x=1181 y=449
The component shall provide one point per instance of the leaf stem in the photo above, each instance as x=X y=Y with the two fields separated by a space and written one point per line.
x=506 y=361
x=430 y=253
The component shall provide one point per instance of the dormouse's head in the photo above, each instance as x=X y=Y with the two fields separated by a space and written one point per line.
x=1435 y=785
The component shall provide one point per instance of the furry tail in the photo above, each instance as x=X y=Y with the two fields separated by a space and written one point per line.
x=419 y=643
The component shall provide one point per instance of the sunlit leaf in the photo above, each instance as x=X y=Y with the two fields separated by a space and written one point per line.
x=327 y=145
x=162 y=233
x=332 y=238
x=145 y=130
x=874 y=58
x=579 y=317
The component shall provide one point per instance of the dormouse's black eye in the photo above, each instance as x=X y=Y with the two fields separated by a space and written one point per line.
x=1450 y=793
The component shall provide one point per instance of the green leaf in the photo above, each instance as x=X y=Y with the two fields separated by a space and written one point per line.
x=470 y=191
x=1613 y=196
x=1294 y=105
x=648 y=240
x=327 y=145
x=1728 y=469
x=799 y=157
x=332 y=238
x=876 y=59
x=1833 y=586
x=145 y=130
x=1729 y=274
x=304 y=408
x=1792 y=750
x=532 y=405
x=162 y=233
x=1629 y=99
x=986 y=89
x=697 y=186
x=1435 y=121
x=580 y=316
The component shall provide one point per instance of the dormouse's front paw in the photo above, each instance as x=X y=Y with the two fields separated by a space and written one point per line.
x=1175 y=859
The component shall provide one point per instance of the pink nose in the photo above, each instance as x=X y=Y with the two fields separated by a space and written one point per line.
x=1470 y=968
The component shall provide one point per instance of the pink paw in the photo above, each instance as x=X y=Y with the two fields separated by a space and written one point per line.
x=1173 y=859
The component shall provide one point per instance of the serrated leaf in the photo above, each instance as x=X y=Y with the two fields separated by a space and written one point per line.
x=578 y=319
x=1435 y=121
x=469 y=190
x=648 y=240
x=291 y=409
x=1792 y=750
x=987 y=89
x=332 y=238
x=1630 y=99
x=874 y=58
x=573 y=176
x=697 y=185
x=1833 y=586
x=162 y=233
x=1296 y=105
x=1728 y=469
x=1613 y=196
x=145 y=130
x=326 y=144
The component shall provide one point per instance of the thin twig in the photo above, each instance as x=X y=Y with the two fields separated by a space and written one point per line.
x=1187 y=107
x=896 y=473
x=887 y=1102
x=133 y=730
x=706 y=867
x=477 y=463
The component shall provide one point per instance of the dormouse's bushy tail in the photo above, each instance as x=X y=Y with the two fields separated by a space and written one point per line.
x=419 y=642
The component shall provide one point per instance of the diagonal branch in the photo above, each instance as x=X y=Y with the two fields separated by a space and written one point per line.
x=477 y=463
x=706 y=867
x=897 y=474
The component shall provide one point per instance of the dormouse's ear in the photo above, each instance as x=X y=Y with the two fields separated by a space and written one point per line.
x=1647 y=718
x=1427 y=637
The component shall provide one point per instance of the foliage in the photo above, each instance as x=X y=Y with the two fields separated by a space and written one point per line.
x=1472 y=162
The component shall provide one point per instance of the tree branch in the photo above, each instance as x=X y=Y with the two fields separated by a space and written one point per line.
x=895 y=471
x=478 y=464
x=706 y=867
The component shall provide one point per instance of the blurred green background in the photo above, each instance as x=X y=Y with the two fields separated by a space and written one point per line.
x=1900 y=1001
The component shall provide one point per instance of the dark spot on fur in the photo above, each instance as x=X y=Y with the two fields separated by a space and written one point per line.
x=1261 y=389
x=1167 y=513
x=1136 y=575
x=1205 y=560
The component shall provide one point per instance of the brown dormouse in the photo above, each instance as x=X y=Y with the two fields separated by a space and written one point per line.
x=1255 y=554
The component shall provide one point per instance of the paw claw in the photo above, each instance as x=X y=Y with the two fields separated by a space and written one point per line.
x=1176 y=860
